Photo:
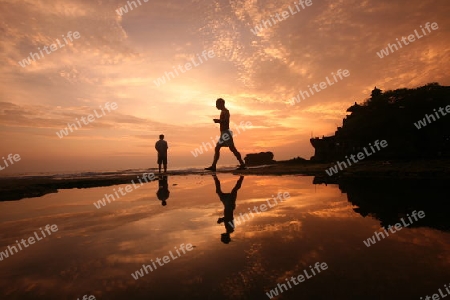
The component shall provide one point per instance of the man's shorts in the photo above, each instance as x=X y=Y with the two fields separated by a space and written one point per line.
x=162 y=160
x=226 y=139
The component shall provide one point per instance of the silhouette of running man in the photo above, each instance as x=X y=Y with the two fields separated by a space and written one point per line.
x=229 y=204
x=161 y=146
x=226 y=136
x=163 y=190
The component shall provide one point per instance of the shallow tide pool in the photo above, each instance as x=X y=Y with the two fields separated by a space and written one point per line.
x=192 y=251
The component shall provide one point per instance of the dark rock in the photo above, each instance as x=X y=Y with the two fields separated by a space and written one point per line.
x=262 y=158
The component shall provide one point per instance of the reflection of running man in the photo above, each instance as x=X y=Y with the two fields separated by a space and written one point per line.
x=226 y=136
x=163 y=191
x=229 y=204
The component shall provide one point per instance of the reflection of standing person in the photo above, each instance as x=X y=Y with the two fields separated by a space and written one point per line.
x=161 y=146
x=229 y=204
x=163 y=190
x=226 y=136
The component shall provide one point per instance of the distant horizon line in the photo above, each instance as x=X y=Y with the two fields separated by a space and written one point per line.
x=77 y=172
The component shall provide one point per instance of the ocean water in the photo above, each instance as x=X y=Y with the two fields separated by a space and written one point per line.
x=103 y=250
x=111 y=173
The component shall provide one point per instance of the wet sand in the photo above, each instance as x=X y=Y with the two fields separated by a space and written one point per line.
x=16 y=188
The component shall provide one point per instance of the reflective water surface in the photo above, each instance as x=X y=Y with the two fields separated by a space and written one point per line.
x=238 y=252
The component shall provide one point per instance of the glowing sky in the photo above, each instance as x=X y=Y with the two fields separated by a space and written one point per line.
x=118 y=58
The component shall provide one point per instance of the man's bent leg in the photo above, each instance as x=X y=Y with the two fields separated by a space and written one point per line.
x=237 y=154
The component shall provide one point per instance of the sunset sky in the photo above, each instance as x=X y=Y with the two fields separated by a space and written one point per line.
x=119 y=58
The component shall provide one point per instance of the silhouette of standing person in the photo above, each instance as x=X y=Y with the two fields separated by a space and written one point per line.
x=226 y=136
x=229 y=204
x=161 y=147
x=163 y=190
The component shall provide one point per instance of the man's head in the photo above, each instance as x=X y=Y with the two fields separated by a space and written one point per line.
x=225 y=238
x=161 y=136
x=220 y=103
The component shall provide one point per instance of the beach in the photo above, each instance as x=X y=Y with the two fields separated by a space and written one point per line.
x=224 y=150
